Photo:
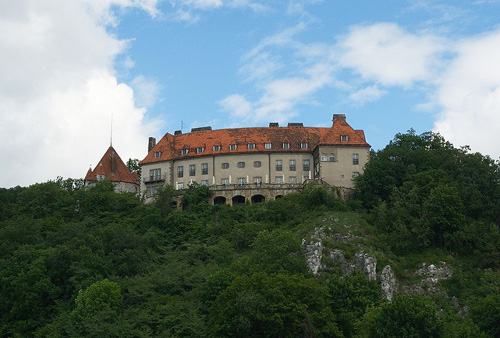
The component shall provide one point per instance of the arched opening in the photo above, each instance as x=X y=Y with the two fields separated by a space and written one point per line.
x=258 y=199
x=173 y=204
x=239 y=200
x=278 y=197
x=219 y=200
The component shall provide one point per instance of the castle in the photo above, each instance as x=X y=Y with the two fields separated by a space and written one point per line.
x=255 y=164
x=244 y=164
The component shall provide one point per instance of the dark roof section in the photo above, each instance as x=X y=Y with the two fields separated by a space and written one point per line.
x=113 y=168
x=171 y=146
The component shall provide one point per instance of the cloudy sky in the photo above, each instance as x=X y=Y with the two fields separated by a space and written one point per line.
x=154 y=66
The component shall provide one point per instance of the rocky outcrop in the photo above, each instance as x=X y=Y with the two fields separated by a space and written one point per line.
x=431 y=274
x=314 y=250
x=387 y=283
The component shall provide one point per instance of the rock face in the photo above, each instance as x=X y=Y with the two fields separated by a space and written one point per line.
x=366 y=263
x=314 y=250
x=387 y=283
x=431 y=274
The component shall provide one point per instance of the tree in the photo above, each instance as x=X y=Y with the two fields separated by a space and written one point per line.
x=97 y=311
x=405 y=317
x=133 y=166
x=350 y=297
x=273 y=306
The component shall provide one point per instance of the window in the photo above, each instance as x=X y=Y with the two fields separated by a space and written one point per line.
x=241 y=164
x=185 y=151
x=157 y=154
x=225 y=165
x=355 y=159
x=257 y=164
x=217 y=148
x=192 y=170
x=307 y=165
x=292 y=165
x=257 y=180
x=268 y=145
x=100 y=177
x=279 y=179
x=293 y=179
x=251 y=146
x=286 y=145
x=324 y=157
x=200 y=150
x=225 y=181
x=204 y=168
x=180 y=171
x=242 y=181
x=355 y=174
x=233 y=147
x=332 y=157
x=152 y=191
x=180 y=186
x=204 y=182
x=279 y=165
x=344 y=138
x=155 y=174
x=304 y=145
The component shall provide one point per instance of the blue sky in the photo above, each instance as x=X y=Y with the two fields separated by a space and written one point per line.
x=154 y=65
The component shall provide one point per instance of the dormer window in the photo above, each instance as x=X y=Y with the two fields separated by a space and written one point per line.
x=185 y=151
x=286 y=145
x=157 y=154
x=304 y=145
x=344 y=138
x=233 y=147
x=251 y=146
x=200 y=150
x=217 y=148
x=268 y=145
x=100 y=177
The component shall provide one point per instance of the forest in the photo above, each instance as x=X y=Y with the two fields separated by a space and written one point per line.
x=88 y=262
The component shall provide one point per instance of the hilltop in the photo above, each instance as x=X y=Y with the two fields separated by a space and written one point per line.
x=78 y=262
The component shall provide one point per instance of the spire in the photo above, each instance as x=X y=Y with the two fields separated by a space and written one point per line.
x=111 y=136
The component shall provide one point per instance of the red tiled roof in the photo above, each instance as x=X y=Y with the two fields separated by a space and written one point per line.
x=113 y=168
x=170 y=146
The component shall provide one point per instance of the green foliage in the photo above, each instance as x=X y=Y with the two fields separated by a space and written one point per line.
x=88 y=262
x=350 y=297
x=273 y=306
x=486 y=313
x=196 y=195
x=425 y=193
x=133 y=166
x=405 y=317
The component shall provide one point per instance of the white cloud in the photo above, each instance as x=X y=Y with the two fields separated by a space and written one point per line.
x=146 y=91
x=469 y=95
x=58 y=90
x=367 y=94
x=282 y=86
x=189 y=10
x=389 y=55
x=237 y=105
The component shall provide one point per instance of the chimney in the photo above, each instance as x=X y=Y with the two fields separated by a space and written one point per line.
x=295 y=124
x=338 y=117
x=274 y=124
x=151 y=143
x=178 y=132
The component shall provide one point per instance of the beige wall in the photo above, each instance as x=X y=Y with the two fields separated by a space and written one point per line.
x=145 y=174
x=340 y=172
x=267 y=171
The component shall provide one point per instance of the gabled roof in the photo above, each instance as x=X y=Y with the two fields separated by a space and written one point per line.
x=112 y=167
x=170 y=146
